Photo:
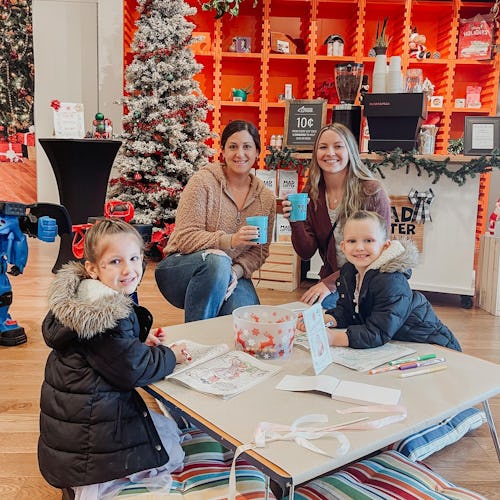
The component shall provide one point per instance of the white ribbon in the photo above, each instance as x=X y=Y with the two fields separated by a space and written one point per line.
x=301 y=433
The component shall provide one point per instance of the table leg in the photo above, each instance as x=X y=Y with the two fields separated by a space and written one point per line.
x=491 y=425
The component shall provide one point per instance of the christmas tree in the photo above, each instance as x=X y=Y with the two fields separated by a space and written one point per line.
x=165 y=132
x=16 y=67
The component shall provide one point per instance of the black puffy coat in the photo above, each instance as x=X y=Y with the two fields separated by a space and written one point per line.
x=387 y=307
x=94 y=426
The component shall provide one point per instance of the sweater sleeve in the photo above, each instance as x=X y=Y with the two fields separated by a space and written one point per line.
x=190 y=234
x=254 y=257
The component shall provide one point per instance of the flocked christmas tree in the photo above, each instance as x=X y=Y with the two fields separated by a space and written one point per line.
x=165 y=131
x=16 y=67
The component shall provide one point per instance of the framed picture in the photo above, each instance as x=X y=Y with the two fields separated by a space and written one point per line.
x=481 y=135
x=243 y=43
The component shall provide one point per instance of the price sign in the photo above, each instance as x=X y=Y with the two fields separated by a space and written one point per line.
x=303 y=119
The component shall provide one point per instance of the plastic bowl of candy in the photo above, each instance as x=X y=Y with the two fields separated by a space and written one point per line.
x=265 y=332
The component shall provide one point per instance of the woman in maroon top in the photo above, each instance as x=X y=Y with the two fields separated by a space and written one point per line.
x=339 y=184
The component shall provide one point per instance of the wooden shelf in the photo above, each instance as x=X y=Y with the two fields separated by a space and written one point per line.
x=356 y=22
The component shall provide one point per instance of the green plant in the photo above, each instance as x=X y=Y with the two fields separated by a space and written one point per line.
x=222 y=6
x=283 y=159
x=381 y=37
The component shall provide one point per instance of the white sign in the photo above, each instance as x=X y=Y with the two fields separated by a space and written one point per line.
x=69 y=122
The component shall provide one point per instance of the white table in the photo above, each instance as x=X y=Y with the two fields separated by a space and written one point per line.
x=429 y=399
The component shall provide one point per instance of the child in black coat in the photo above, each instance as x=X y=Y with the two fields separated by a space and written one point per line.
x=94 y=425
x=376 y=303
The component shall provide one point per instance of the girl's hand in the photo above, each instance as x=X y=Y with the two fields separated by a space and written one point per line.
x=300 y=323
x=156 y=337
x=244 y=237
x=181 y=353
x=315 y=294
x=287 y=208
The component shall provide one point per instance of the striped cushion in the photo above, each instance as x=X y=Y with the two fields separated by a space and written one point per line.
x=205 y=475
x=432 y=439
x=387 y=475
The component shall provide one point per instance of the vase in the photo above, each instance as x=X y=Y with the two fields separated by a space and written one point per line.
x=379 y=74
x=379 y=50
x=394 y=82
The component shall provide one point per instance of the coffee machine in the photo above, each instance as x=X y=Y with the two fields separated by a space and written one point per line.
x=348 y=77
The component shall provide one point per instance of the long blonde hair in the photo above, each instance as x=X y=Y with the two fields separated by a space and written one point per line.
x=354 y=193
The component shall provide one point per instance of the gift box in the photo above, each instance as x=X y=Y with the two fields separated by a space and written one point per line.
x=10 y=152
x=25 y=138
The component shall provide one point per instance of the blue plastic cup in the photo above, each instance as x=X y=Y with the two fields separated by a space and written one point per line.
x=261 y=222
x=299 y=206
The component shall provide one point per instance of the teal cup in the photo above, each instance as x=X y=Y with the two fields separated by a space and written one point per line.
x=299 y=206
x=261 y=222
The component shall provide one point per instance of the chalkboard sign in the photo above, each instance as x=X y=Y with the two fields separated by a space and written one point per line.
x=303 y=119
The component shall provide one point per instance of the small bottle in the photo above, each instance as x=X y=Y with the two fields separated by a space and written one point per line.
x=273 y=141
x=279 y=141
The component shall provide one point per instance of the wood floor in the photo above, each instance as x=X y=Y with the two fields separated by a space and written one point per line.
x=18 y=181
x=472 y=462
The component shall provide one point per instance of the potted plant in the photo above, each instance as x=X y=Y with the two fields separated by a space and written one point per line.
x=382 y=40
x=222 y=6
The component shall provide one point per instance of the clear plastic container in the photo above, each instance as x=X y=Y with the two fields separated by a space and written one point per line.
x=265 y=332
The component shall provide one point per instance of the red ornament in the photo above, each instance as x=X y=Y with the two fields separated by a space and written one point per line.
x=137 y=176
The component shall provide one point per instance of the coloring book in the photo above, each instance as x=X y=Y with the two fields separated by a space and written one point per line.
x=218 y=371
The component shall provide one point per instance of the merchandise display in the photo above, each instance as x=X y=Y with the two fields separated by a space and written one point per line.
x=267 y=70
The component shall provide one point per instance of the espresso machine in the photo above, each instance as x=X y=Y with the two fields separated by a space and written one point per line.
x=348 y=77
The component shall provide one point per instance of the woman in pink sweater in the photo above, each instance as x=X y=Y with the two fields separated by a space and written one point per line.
x=210 y=258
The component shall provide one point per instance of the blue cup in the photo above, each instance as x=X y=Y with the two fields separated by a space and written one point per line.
x=299 y=206
x=261 y=222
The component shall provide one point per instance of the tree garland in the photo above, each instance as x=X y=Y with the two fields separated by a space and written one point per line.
x=435 y=168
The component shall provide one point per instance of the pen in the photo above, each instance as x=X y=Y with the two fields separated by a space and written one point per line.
x=411 y=360
x=186 y=354
x=158 y=332
x=427 y=362
x=431 y=369
x=383 y=369
x=328 y=324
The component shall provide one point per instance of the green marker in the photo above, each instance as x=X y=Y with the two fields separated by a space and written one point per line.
x=411 y=360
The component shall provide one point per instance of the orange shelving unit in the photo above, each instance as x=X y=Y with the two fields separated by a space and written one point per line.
x=312 y=21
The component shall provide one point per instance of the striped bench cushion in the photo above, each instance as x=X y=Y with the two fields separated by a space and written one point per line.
x=422 y=444
x=387 y=475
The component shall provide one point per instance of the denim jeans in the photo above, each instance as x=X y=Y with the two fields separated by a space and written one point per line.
x=198 y=282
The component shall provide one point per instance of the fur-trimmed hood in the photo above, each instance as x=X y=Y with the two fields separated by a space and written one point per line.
x=400 y=256
x=84 y=305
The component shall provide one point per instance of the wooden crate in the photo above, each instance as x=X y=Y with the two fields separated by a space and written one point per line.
x=488 y=274
x=281 y=271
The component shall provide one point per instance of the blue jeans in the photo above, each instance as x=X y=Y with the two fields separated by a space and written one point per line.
x=198 y=283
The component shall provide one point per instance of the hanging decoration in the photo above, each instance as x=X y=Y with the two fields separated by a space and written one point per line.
x=434 y=168
x=421 y=201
